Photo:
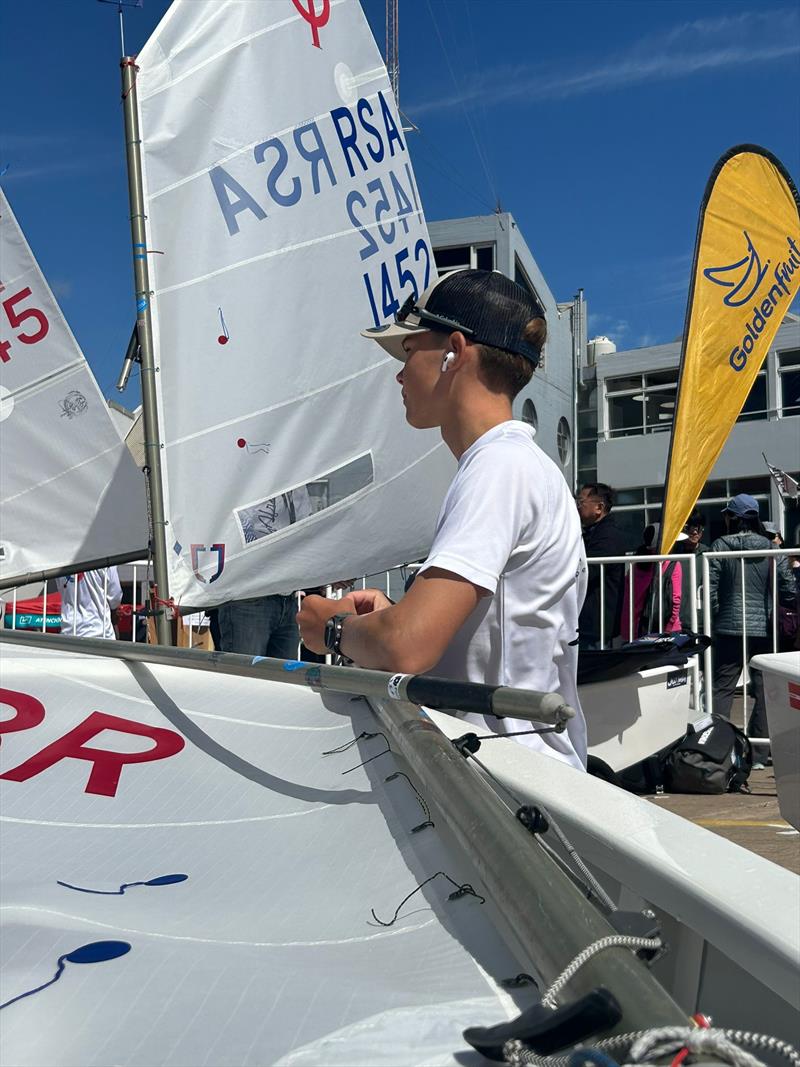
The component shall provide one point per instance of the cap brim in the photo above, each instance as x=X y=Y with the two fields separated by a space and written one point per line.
x=391 y=337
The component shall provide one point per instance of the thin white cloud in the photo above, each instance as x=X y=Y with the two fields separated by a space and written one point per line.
x=52 y=167
x=62 y=289
x=685 y=50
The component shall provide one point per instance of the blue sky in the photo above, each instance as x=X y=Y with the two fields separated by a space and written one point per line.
x=595 y=123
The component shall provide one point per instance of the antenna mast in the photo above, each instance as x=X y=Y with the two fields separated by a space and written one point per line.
x=393 y=48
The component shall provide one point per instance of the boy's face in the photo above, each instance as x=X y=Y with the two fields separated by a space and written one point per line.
x=421 y=379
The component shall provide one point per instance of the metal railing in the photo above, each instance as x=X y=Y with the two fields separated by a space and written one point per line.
x=702 y=700
x=138 y=575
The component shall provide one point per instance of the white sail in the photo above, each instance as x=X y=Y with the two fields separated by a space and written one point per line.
x=283 y=216
x=233 y=867
x=70 y=492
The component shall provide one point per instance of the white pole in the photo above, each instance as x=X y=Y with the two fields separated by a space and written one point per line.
x=708 y=667
x=745 y=675
x=602 y=605
x=692 y=560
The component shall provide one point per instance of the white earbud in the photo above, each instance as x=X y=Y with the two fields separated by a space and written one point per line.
x=448 y=359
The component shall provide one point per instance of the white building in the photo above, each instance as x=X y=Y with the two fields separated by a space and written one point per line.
x=627 y=402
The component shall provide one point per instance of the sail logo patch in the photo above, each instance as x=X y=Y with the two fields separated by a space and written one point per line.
x=199 y=565
x=742 y=277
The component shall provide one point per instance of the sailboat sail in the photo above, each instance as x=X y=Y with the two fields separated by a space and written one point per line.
x=70 y=492
x=279 y=189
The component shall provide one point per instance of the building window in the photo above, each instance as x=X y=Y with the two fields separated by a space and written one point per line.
x=789 y=382
x=564 y=441
x=448 y=259
x=755 y=406
x=636 y=508
x=484 y=257
x=529 y=414
x=464 y=257
x=641 y=403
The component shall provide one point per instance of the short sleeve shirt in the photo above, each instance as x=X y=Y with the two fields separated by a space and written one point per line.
x=509 y=525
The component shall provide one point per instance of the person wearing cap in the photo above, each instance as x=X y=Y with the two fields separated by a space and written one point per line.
x=743 y=606
x=498 y=598
x=690 y=543
x=772 y=530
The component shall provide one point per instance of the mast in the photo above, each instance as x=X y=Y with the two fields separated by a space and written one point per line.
x=152 y=439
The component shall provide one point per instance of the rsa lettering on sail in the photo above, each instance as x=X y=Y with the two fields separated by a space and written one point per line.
x=307 y=161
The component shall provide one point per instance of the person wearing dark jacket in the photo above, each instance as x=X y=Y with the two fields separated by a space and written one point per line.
x=731 y=616
x=601 y=537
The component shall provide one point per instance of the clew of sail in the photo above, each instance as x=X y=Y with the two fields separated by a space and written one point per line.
x=279 y=189
x=70 y=492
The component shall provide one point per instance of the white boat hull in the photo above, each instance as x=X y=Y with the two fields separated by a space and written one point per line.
x=631 y=718
x=781 y=671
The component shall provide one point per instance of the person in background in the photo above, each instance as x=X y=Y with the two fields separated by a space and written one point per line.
x=732 y=617
x=89 y=601
x=651 y=613
x=259 y=626
x=773 y=533
x=601 y=537
x=691 y=545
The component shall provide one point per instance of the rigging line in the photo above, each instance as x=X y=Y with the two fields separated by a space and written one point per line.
x=466 y=6
x=447 y=174
x=462 y=890
x=588 y=882
x=458 y=89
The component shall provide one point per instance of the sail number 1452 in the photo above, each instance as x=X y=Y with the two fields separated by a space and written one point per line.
x=391 y=204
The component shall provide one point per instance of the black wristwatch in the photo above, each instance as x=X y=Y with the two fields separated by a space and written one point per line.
x=333 y=632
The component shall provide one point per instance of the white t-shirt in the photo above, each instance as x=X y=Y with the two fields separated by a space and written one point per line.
x=89 y=613
x=509 y=525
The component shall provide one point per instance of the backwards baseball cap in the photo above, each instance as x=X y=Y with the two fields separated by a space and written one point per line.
x=772 y=528
x=742 y=505
x=488 y=308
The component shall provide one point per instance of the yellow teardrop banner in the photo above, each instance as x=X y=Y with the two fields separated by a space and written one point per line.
x=745 y=275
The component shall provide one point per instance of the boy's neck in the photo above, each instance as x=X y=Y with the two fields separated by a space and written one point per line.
x=469 y=421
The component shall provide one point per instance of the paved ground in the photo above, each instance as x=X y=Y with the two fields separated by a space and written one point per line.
x=751 y=820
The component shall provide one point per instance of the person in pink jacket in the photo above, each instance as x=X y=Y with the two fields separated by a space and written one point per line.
x=645 y=594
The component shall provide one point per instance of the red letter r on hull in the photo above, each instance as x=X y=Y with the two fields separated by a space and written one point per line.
x=106 y=766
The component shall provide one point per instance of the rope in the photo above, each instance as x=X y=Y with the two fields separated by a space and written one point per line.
x=572 y=968
x=721 y=1044
x=348 y=744
x=462 y=890
x=593 y=888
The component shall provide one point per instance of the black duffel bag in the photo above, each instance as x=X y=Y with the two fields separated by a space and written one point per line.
x=715 y=759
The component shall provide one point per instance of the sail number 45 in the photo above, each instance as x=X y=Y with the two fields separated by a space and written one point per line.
x=17 y=316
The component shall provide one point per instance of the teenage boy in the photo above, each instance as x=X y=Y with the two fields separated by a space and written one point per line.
x=498 y=598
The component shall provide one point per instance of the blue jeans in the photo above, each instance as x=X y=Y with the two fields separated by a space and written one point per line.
x=262 y=626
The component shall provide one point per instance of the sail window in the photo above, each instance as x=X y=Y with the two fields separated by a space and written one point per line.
x=266 y=517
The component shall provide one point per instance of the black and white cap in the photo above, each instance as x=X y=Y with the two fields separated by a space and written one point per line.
x=488 y=308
